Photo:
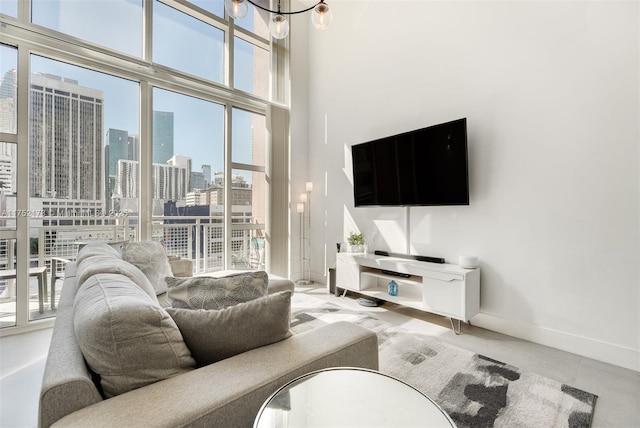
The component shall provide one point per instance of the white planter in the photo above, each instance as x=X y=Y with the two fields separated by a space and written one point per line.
x=356 y=248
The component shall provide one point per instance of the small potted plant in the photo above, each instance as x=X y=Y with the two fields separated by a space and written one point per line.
x=356 y=242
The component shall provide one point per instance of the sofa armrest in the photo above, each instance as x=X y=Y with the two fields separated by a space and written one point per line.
x=229 y=393
x=67 y=384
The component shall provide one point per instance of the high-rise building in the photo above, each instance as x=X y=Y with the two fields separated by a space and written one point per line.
x=8 y=168
x=162 y=136
x=133 y=152
x=118 y=142
x=116 y=148
x=66 y=142
x=197 y=181
x=170 y=182
x=182 y=162
x=8 y=97
x=241 y=192
x=119 y=145
x=206 y=171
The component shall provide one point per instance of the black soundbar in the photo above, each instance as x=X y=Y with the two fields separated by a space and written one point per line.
x=400 y=274
x=410 y=256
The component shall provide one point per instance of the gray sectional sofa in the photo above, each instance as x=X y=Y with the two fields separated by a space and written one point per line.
x=226 y=393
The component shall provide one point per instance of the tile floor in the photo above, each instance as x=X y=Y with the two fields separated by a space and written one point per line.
x=22 y=359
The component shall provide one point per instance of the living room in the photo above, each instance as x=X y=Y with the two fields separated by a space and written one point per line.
x=550 y=93
x=553 y=141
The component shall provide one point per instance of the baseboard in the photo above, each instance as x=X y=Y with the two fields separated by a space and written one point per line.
x=610 y=353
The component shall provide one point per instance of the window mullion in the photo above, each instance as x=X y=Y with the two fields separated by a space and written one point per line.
x=145 y=200
x=147 y=29
x=24 y=11
x=228 y=132
x=22 y=197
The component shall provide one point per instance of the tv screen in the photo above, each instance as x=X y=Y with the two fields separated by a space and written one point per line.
x=423 y=167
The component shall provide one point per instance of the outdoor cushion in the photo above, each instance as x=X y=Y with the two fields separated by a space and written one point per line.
x=125 y=337
x=213 y=335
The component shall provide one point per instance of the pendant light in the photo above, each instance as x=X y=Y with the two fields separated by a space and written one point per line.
x=278 y=23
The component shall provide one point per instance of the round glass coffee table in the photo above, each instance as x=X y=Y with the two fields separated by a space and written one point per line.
x=350 y=397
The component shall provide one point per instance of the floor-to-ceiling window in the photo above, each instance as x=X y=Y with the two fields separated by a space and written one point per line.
x=144 y=119
x=8 y=181
x=188 y=155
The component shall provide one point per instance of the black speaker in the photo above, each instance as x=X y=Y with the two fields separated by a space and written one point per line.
x=332 y=282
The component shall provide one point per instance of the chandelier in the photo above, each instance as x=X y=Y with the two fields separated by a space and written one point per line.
x=278 y=24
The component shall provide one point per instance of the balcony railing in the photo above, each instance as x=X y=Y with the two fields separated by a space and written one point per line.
x=200 y=239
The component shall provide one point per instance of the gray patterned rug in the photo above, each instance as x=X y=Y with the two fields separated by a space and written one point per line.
x=474 y=390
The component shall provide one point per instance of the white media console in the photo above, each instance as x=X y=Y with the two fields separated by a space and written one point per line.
x=443 y=289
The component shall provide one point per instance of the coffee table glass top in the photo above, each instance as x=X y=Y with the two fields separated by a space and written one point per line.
x=350 y=397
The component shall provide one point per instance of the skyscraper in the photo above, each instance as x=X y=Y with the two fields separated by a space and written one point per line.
x=162 y=136
x=119 y=146
x=8 y=97
x=170 y=182
x=206 y=170
x=66 y=142
x=134 y=147
x=118 y=142
x=8 y=168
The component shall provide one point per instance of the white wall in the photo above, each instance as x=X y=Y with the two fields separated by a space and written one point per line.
x=551 y=94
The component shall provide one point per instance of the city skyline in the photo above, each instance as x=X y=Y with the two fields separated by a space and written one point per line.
x=199 y=124
x=72 y=161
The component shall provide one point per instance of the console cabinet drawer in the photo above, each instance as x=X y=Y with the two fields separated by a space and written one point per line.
x=444 y=297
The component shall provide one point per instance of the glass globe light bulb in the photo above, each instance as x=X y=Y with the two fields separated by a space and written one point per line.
x=237 y=9
x=279 y=27
x=321 y=16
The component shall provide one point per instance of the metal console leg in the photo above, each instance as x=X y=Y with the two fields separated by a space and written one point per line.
x=453 y=327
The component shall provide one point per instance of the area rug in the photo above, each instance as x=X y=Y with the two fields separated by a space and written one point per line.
x=474 y=390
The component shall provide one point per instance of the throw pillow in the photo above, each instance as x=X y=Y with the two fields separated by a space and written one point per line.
x=126 y=337
x=213 y=335
x=216 y=293
x=151 y=258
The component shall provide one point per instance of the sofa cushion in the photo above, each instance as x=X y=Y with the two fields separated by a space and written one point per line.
x=213 y=335
x=126 y=337
x=216 y=293
x=109 y=264
x=151 y=258
x=97 y=249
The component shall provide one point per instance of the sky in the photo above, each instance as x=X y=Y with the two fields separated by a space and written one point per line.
x=180 y=42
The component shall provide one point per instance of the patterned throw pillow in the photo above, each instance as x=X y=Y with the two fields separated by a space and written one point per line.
x=214 y=335
x=216 y=293
x=151 y=258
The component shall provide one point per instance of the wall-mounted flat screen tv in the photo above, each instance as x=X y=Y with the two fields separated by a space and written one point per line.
x=427 y=166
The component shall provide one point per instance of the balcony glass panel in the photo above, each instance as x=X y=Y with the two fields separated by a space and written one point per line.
x=248 y=208
x=8 y=283
x=187 y=44
x=83 y=141
x=94 y=21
